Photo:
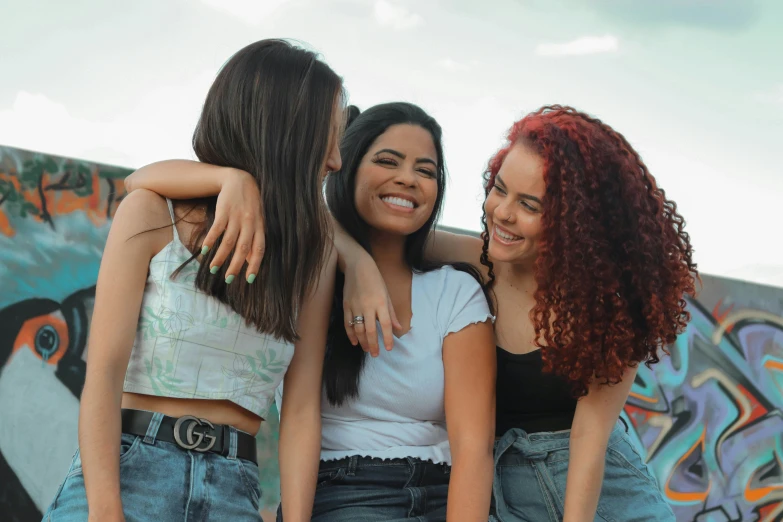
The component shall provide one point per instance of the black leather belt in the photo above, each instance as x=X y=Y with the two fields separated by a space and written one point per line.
x=190 y=433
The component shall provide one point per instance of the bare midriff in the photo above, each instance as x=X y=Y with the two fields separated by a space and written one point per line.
x=215 y=411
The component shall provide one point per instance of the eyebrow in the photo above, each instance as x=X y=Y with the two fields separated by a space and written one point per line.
x=520 y=194
x=402 y=156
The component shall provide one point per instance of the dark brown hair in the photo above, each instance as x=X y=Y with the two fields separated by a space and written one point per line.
x=270 y=113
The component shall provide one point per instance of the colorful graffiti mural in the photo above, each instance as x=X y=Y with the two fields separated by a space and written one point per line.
x=710 y=416
x=55 y=214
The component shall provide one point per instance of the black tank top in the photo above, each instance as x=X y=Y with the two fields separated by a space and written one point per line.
x=529 y=399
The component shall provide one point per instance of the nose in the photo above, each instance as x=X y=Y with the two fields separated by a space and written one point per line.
x=406 y=177
x=503 y=212
x=334 y=162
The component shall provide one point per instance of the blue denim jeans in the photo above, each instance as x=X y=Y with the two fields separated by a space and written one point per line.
x=161 y=481
x=359 y=489
x=530 y=480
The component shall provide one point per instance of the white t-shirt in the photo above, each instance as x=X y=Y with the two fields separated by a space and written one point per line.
x=400 y=408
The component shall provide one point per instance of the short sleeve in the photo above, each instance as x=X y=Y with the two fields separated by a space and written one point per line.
x=462 y=303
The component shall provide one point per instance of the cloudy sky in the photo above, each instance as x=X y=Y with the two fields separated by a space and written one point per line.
x=691 y=83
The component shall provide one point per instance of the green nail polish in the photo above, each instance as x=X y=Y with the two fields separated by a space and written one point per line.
x=251 y=278
x=214 y=270
x=204 y=250
x=229 y=279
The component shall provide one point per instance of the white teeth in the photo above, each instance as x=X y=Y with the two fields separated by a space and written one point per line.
x=398 y=202
x=503 y=235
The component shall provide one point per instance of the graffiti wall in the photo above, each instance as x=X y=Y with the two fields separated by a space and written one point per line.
x=55 y=215
x=710 y=417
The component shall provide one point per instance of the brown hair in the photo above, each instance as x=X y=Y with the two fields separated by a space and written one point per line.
x=270 y=113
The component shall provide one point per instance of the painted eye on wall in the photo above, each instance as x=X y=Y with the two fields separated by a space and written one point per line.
x=46 y=336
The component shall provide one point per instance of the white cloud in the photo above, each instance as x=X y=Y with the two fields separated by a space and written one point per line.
x=455 y=66
x=580 y=46
x=395 y=16
x=158 y=126
x=251 y=12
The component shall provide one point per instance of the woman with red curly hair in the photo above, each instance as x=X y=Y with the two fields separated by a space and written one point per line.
x=588 y=263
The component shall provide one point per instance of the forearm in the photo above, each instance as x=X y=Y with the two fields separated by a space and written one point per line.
x=99 y=443
x=595 y=417
x=585 y=475
x=349 y=252
x=299 y=457
x=470 y=485
x=167 y=178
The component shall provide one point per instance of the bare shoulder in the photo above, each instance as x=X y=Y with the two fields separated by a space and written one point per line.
x=143 y=218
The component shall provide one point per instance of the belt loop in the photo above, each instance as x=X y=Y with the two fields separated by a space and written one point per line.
x=232 y=446
x=153 y=427
x=352 y=463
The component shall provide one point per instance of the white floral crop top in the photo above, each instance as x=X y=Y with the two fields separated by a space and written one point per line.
x=190 y=345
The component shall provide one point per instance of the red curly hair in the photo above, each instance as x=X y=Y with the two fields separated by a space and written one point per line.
x=614 y=262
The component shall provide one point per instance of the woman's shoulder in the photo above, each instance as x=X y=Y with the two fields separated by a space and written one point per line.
x=143 y=214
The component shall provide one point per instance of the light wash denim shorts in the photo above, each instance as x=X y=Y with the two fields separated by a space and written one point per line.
x=159 y=481
x=530 y=480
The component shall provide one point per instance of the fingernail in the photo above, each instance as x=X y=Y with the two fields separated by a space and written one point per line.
x=251 y=278
x=204 y=250
x=214 y=270
x=229 y=279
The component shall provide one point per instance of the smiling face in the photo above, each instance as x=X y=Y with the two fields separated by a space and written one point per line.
x=513 y=207
x=396 y=182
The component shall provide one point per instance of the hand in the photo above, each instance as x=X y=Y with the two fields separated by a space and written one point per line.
x=373 y=303
x=238 y=216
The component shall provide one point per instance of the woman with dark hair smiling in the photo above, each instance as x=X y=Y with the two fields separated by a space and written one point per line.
x=406 y=432
x=167 y=424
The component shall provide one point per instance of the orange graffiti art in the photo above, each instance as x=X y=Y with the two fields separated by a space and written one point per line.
x=46 y=336
x=688 y=496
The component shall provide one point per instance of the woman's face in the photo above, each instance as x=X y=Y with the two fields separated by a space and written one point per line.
x=513 y=207
x=396 y=182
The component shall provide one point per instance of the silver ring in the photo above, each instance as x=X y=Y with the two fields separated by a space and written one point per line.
x=358 y=319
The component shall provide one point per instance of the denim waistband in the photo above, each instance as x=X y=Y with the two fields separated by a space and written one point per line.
x=536 y=446
x=351 y=464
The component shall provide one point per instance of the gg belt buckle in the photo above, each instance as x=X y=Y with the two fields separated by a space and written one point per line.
x=190 y=443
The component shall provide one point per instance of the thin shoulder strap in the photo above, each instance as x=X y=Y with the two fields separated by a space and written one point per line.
x=173 y=219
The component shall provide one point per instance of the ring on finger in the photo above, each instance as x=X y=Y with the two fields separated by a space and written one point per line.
x=357 y=319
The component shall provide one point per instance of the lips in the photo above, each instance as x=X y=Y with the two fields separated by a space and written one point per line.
x=504 y=236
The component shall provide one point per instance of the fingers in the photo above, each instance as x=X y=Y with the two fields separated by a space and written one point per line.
x=347 y=319
x=227 y=243
x=241 y=253
x=393 y=316
x=371 y=331
x=361 y=334
x=217 y=228
x=256 y=253
x=386 y=328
